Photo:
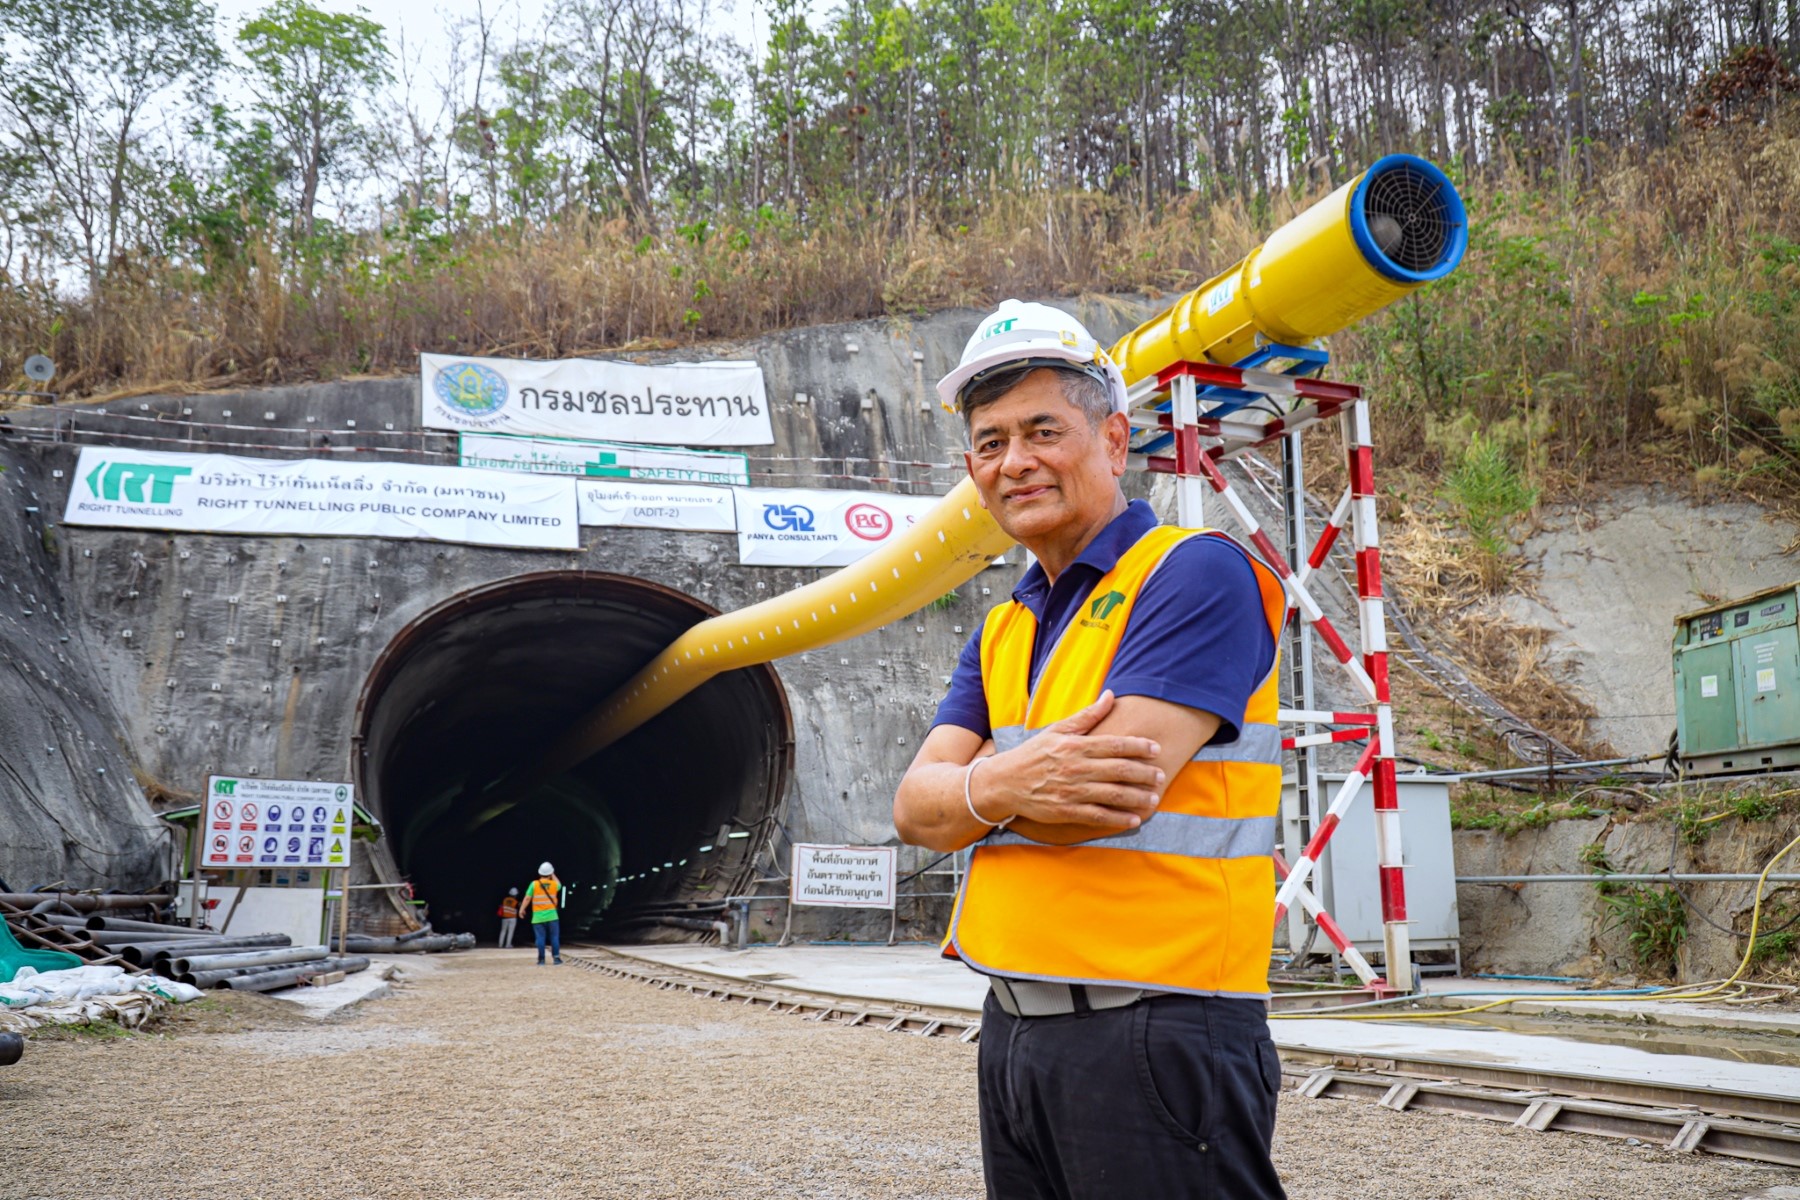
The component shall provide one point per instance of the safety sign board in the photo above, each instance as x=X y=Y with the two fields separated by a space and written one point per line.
x=682 y=404
x=602 y=460
x=656 y=506
x=842 y=876
x=219 y=493
x=803 y=527
x=255 y=823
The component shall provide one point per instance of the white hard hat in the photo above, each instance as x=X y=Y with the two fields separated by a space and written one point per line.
x=512 y=891
x=1017 y=333
x=546 y=869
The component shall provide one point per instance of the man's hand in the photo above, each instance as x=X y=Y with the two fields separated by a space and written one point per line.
x=1070 y=775
x=1090 y=775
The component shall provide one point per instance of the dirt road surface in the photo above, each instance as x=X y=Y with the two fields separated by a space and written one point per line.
x=485 y=1076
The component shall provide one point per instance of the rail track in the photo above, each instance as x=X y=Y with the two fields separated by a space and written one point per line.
x=1679 y=1117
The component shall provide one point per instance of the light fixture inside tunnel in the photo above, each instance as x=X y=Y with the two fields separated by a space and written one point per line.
x=478 y=684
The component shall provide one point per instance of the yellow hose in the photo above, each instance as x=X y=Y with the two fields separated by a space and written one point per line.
x=945 y=548
x=1320 y=272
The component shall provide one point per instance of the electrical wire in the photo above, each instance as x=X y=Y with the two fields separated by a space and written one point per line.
x=1704 y=991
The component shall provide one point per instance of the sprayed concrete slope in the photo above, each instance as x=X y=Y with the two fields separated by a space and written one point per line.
x=1612 y=574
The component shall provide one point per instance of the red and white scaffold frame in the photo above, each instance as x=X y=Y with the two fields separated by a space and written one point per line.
x=1244 y=409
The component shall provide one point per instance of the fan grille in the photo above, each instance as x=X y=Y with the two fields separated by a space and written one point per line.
x=1418 y=226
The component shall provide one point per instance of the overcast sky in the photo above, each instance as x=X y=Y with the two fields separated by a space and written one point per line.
x=425 y=23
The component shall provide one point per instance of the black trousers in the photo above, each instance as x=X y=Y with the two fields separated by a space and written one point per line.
x=1171 y=1098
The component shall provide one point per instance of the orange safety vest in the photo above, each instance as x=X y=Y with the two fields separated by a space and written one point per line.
x=1183 y=903
x=509 y=907
x=541 y=895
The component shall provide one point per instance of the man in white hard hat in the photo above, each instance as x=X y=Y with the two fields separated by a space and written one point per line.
x=1108 y=745
x=543 y=900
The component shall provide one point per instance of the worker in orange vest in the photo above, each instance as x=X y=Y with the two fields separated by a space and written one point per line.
x=543 y=900
x=509 y=917
x=1108 y=746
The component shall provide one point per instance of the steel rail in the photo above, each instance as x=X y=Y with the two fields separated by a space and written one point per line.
x=1755 y=1126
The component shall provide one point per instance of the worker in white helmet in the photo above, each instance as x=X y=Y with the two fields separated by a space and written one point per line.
x=543 y=900
x=1108 y=746
x=509 y=917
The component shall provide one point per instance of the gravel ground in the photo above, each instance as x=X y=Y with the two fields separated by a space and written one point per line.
x=486 y=1077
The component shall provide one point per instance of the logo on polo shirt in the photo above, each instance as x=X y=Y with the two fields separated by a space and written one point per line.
x=1100 y=609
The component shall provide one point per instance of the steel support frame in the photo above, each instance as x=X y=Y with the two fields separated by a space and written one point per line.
x=1257 y=408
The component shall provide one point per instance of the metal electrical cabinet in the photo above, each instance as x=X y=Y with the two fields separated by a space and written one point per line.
x=1737 y=684
x=1351 y=885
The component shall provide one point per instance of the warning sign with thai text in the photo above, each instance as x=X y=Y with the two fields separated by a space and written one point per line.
x=264 y=823
x=843 y=876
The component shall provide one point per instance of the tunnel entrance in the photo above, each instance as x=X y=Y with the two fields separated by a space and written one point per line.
x=482 y=682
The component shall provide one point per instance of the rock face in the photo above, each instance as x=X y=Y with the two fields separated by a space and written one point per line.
x=420 y=669
x=69 y=806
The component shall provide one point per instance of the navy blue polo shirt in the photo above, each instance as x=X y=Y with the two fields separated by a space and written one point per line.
x=1197 y=636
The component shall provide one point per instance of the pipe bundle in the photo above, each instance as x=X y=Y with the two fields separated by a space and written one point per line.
x=421 y=942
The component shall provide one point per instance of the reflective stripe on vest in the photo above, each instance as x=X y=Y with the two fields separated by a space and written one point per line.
x=1183 y=903
x=540 y=899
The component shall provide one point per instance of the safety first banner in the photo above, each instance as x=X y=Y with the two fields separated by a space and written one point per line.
x=601 y=460
x=680 y=404
x=796 y=527
x=275 y=823
x=218 y=493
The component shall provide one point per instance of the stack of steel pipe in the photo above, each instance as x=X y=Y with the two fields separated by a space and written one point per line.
x=416 y=943
x=145 y=943
x=56 y=921
x=283 y=975
x=34 y=931
x=259 y=970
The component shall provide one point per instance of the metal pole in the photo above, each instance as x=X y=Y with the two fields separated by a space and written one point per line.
x=344 y=889
x=1190 y=488
x=1360 y=461
x=1298 y=827
x=195 y=918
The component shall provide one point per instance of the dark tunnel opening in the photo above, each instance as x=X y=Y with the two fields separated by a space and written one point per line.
x=483 y=681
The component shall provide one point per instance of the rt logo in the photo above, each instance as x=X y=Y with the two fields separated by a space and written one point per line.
x=225 y=787
x=796 y=517
x=109 y=481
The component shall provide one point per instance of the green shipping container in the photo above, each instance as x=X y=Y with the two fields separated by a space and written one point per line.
x=1737 y=684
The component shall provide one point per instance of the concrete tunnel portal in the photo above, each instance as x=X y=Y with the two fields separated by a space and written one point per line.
x=479 y=683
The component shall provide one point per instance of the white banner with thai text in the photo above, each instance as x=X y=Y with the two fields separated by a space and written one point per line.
x=219 y=493
x=656 y=506
x=602 y=460
x=684 y=404
x=843 y=876
x=805 y=527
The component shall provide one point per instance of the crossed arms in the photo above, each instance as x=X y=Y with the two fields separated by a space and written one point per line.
x=1099 y=772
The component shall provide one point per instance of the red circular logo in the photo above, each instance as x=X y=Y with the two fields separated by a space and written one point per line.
x=868 y=522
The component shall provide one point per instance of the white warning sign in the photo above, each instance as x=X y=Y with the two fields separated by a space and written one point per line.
x=256 y=823
x=843 y=876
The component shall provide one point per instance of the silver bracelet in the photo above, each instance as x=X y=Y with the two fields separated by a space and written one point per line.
x=968 y=777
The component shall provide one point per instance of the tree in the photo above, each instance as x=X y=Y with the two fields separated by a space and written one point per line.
x=77 y=78
x=309 y=68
